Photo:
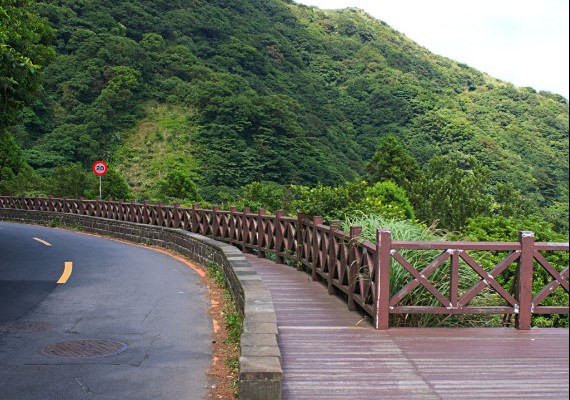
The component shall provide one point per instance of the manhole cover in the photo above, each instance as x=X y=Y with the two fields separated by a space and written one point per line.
x=24 y=327
x=84 y=349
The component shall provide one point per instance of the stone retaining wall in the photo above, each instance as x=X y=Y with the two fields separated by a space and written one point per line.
x=260 y=372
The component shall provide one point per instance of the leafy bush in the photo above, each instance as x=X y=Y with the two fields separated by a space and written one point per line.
x=72 y=181
x=384 y=199
x=177 y=185
x=267 y=195
x=26 y=182
x=115 y=186
x=390 y=195
x=455 y=188
x=392 y=162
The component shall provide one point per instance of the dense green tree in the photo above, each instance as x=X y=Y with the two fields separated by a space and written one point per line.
x=71 y=181
x=453 y=191
x=270 y=196
x=510 y=203
x=385 y=199
x=177 y=185
x=11 y=159
x=25 y=183
x=557 y=215
x=24 y=48
x=115 y=186
x=392 y=162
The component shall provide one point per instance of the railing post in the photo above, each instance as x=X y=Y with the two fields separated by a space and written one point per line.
x=176 y=216
x=110 y=209
x=233 y=230
x=382 y=260
x=215 y=222
x=524 y=281
x=355 y=232
x=260 y=233
x=160 y=214
x=134 y=211
x=278 y=236
x=145 y=212
x=66 y=205
x=245 y=229
x=98 y=211
x=81 y=207
x=454 y=278
x=335 y=226
x=299 y=239
x=121 y=210
x=125 y=210
x=37 y=203
x=315 y=250
x=195 y=226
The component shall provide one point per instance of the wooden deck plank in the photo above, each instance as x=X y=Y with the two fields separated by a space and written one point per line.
x=331 y=353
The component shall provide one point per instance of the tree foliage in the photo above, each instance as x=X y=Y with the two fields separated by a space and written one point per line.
x=24 y=48
x=452 y=191
x=392 y=162
x=178 y=186
x=275 y=91
x=385 y=199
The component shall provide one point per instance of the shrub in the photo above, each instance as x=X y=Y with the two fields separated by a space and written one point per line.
x=385 y=199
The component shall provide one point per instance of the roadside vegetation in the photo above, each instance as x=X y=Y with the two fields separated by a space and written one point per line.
x=234 y=326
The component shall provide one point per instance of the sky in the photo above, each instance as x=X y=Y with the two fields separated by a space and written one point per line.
x=524 y=42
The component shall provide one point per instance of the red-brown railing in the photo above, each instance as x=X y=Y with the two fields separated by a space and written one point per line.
x=352 y=268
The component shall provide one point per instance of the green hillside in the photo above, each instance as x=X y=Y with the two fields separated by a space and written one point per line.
x=228 y=93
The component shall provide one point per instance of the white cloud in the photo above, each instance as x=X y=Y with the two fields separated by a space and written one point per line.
x=520 y=41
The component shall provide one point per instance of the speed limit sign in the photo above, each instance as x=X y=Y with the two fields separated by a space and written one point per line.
x=100 y=168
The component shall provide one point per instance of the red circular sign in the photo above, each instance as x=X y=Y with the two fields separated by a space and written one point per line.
x=100 y=168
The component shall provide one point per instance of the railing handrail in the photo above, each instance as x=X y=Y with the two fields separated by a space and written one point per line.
x=358 y=270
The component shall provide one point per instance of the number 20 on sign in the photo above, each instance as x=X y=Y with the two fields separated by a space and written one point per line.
x=100 y=168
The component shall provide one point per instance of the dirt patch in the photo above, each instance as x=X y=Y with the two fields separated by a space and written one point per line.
x=221 y=372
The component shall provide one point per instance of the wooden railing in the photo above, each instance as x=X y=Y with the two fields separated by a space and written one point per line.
x=352 y=268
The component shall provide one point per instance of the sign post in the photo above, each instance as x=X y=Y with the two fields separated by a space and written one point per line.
x=100 y=168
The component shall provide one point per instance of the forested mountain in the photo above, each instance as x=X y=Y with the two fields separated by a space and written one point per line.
x=214 y=94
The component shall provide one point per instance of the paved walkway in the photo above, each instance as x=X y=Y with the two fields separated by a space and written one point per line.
x=331 y=353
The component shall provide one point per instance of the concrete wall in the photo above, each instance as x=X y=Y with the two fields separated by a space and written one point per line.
x=260 y=372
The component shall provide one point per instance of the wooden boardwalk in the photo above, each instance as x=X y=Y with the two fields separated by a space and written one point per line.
x=330 y=353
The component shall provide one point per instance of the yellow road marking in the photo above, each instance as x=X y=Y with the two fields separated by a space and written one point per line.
x=42 y=242
x=66 y=272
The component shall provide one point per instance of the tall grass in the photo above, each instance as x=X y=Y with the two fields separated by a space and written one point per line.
x=410 y=231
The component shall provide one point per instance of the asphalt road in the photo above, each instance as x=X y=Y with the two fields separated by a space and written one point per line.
x=128 y=323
